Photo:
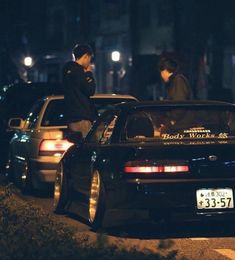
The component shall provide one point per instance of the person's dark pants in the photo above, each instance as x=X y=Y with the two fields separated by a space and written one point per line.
x=82 y=126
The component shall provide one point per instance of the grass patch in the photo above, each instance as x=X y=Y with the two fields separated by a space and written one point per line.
x=28 y=232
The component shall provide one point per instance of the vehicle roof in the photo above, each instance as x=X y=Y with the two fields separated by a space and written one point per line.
x=113 y=96
x=148 y=104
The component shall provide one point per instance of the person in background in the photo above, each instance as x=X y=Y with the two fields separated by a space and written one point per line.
x=79 y=84
x=177 y=85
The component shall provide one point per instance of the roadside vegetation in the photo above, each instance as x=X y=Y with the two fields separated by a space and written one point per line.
x=28 y=232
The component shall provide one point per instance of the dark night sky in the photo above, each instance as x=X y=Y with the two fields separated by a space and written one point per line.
x=22 y=18
x=28 y=26
x=25 y=20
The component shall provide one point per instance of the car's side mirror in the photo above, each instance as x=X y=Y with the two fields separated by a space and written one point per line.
x=16 y=123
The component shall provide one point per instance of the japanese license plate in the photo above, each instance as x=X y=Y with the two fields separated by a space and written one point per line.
x=214 y=198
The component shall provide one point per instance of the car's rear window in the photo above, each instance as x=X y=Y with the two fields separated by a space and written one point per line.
x=54 y=114
x=171 y=124
x=103 y=104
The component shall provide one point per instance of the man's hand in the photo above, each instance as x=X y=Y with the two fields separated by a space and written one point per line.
x=89 y=68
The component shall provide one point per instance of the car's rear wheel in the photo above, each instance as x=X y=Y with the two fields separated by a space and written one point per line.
x=26 y=181
x=60 y=190
x=96 y=201
x=9 y=172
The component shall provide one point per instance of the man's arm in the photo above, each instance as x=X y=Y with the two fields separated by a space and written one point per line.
x=86 y=82
x=91 y=84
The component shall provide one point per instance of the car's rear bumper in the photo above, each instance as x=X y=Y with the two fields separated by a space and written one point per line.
x=44 y=168
x=174 y=199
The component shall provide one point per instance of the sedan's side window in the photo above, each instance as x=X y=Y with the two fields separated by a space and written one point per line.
x=97 y=134
x=103 y=131
x=108 y=131
x=33 y=115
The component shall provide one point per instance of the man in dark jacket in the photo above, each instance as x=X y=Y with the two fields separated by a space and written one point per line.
x=79 y=85
x=178 y=87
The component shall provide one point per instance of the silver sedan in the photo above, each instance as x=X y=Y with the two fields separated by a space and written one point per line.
x=40 y=140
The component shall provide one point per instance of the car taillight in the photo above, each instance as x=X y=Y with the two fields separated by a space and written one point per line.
x=54 y=147
x=155 y=167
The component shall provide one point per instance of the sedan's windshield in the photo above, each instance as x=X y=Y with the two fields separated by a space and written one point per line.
x=180 y=124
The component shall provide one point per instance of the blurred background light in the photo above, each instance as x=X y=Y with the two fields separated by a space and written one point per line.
x=28 y=61
x=115 y=56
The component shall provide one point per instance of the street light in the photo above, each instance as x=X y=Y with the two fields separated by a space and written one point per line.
x=116 y=56
x=28 y=61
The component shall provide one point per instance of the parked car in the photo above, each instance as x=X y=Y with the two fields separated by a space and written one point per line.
x=164 y=158
x=40 y=140
x=15 y=101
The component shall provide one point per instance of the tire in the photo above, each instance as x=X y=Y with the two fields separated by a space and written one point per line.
x=60 y=190
x=9 y=170
x=96 y=207
x=26 y=179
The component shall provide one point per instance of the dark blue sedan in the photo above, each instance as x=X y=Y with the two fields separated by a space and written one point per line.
x=164 y=158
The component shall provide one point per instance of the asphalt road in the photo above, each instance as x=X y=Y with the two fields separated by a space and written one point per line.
x=192 y=240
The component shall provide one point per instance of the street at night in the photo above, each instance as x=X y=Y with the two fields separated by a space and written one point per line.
x=125 y=109
x=191 y=240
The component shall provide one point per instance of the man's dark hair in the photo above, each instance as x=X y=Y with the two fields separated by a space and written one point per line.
x=168 y=64
x=80 y=49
